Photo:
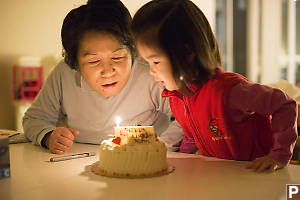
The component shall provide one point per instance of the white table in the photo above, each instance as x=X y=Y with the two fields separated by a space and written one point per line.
x=195 y=177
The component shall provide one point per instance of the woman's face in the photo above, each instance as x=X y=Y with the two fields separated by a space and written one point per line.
x=104 y=63
x=160 y=65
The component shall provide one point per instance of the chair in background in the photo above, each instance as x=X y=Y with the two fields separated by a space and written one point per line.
x=296 y=154
x=296 y=160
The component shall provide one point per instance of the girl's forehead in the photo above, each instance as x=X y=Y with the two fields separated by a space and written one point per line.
x=149 y=48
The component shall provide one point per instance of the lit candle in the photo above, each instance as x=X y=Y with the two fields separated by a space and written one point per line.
x=118 y=120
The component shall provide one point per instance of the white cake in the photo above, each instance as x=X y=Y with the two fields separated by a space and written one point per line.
x=134 y=151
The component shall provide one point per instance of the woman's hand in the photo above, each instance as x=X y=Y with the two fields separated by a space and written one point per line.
x=264 y=164
x=61 y=139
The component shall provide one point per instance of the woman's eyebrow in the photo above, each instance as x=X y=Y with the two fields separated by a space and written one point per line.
x=118 y=49
x=87 y=53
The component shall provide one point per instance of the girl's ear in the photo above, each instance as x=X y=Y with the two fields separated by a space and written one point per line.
x=191 y=57
x=190 y=54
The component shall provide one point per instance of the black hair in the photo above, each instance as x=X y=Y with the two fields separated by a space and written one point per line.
x=180 y=29
x=110 y=16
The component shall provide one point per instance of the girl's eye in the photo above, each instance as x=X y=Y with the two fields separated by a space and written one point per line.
x=155 y=63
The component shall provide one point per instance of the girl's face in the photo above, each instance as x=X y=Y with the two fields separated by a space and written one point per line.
x=160 y=65
x=104 y=63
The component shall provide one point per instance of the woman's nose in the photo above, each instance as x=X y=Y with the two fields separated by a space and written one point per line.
x=108 y=70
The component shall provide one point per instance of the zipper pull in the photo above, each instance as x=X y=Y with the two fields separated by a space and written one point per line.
x=186 y=109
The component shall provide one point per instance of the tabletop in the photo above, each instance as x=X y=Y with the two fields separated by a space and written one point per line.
x=33 y=176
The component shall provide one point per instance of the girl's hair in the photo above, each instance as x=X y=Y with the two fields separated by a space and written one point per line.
x=181 y=30
x=109 y=16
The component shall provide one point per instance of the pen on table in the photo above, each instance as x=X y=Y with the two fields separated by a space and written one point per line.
x=14 y=134
x=73 y=156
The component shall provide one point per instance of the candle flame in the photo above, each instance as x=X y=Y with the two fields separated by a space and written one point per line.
x=118 y=120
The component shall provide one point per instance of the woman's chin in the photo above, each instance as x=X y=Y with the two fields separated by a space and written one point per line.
x=109 y=93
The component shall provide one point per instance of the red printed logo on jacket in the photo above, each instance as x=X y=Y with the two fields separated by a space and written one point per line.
x=216 y=126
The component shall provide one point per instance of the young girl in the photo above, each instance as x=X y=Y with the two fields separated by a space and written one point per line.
x=227 y=116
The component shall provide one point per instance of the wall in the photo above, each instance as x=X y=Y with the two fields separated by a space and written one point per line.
x=32 y=28
x=207 y=6
x=270 y=41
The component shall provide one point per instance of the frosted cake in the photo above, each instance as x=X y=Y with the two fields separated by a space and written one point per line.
x=133 y=151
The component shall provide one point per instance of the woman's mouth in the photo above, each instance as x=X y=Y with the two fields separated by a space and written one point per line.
x=109 y=85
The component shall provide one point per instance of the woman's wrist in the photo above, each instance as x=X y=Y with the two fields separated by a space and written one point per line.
x=45 y=140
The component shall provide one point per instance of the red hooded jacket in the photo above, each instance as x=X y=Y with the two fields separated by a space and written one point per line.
x=205 y=118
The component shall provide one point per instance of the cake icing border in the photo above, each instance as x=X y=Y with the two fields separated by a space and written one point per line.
x=95 y=169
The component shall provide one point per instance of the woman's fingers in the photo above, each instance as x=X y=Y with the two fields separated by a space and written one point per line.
x=61 y=139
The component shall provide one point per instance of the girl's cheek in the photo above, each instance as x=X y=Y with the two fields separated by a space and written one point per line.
x=151 y=71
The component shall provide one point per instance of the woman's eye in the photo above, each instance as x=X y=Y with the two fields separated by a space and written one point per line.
x=117 y=58
x=94 y=62
x=156 y=63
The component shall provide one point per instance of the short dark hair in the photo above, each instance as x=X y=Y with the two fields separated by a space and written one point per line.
x=181 y=30
x=110 y=16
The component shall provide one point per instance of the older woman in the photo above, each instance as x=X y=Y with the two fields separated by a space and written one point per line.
x=98 y=80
